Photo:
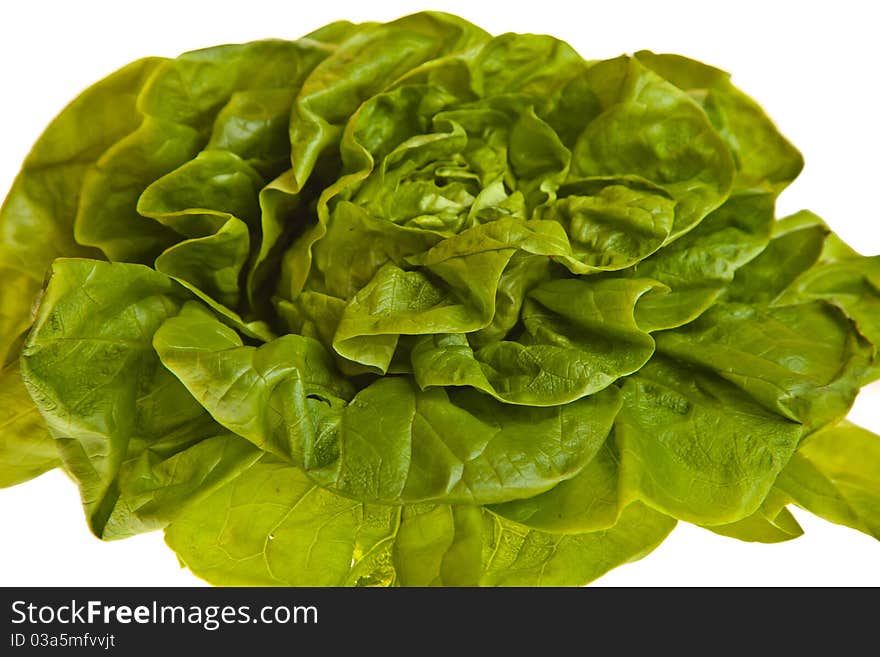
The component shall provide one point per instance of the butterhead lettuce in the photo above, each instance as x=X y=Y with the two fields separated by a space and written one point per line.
x=409 y=304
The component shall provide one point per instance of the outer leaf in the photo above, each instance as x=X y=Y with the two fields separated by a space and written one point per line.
x=590 y=501
x=274 y=526
x=595 y=498
x=17 y=295
x=772 y=523
x=43 y=202
x=849 y=282
x=697 y=267
x=517 y=556
x=107 y=217
x=26 y=448
x=439 y=545
x=242 y=95
x=805 y=262
x=179 y=104
x=126 y=429
x=263 y=529
x=835 y=474
x=696 y=447
x=805 y=361
x=254 y=123
x=162 y=477
x=192 y=88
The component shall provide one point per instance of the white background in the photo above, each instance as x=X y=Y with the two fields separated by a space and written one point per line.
x=813 y=67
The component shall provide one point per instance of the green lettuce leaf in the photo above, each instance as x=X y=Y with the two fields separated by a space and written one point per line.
x=26 y=448
x=137 y=444
x=390 y=442
x=263 y=528
x=835 y=474
x=580 y=336
x=804 y=362
x=695 y=447
x=771 y=523
x=686 y=443
x=519 y=556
